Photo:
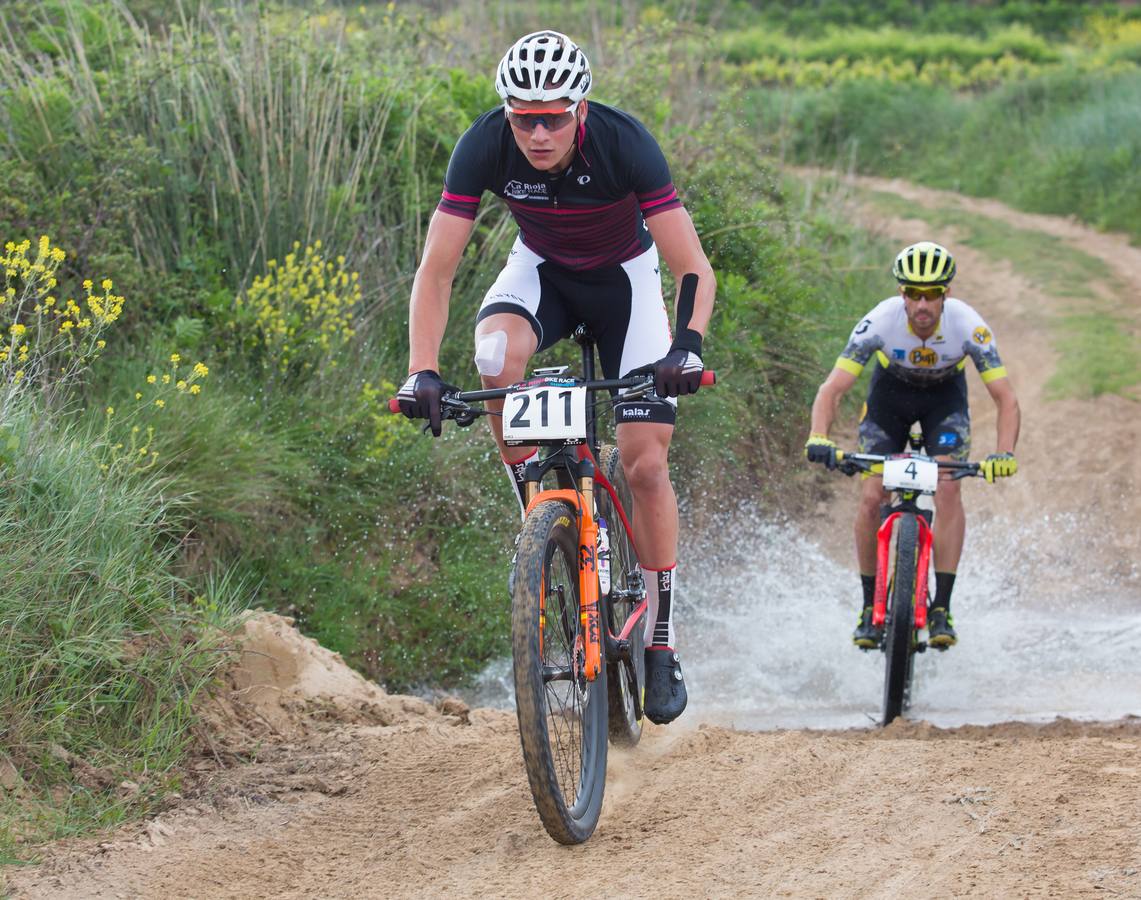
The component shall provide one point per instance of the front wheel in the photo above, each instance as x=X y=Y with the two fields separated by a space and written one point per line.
x=562 y=716
x=900 y=626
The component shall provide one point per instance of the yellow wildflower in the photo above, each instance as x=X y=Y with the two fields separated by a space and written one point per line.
x=100 y=344
x=106 y=285
x=181 y=385
x=160 y=403
x=150 y=379
x=166 y=379
x=175 y=358
x=200 y=370
x=138 y=395
x=196 y=389
x=17 y=329
x=110 y=410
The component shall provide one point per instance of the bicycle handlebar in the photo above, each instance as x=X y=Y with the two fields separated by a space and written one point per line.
x=851 y=463
x=457 y=401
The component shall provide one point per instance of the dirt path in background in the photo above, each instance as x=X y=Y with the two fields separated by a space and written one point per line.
x=354 y=793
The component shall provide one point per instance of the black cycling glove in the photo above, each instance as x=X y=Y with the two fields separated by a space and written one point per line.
x=819 y=449
x=678 y=372
x=419 y=397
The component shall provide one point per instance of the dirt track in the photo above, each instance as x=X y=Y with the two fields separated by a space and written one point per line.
x=376 y=796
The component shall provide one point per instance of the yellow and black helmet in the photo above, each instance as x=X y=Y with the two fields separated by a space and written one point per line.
x=924 y=263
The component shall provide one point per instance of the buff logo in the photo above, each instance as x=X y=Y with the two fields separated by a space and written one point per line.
x=981 y=335
x=523 y=190
x=924 y=356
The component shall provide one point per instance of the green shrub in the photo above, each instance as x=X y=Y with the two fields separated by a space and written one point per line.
x=102 y=649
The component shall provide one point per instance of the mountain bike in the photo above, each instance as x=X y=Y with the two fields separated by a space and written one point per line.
x=578 y=600
x=903 y=558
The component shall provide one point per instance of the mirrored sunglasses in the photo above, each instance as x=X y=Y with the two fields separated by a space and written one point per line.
x=926 y=292
x=551 y=119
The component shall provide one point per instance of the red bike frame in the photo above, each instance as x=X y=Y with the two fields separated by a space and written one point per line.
x=883 y=555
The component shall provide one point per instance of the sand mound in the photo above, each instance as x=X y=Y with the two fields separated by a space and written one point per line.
x=284 y=685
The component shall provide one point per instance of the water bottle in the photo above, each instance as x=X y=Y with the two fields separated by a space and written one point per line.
x=603 y=559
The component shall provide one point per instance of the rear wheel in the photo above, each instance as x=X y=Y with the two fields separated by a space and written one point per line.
x=562 y=716
x=900 y=626
x=625 y=679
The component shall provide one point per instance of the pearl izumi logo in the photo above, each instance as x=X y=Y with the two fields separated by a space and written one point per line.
x=524 y=190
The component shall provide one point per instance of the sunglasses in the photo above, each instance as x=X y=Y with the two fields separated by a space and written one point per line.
x=927 y=292
x=552 y=119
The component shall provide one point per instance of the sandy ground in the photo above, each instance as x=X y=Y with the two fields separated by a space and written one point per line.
x=354 y=793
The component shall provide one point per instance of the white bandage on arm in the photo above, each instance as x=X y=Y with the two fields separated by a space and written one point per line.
x=490 y=353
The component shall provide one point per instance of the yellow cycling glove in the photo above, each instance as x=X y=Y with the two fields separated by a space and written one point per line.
x=999 y=465
x=819 y=449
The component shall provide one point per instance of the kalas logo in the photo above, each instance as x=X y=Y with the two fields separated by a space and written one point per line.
x=522 y=190
x=635 y=412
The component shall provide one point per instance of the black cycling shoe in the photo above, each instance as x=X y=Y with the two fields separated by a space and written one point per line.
x=665 y=688
x=867 y=636
x=940 y=629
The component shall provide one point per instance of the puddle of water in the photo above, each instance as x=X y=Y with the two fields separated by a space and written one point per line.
x=765 y=622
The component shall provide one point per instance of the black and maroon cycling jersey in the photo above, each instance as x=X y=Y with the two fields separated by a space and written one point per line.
x=590 y=216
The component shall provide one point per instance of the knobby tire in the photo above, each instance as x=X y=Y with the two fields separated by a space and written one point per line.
x=900 y=625
x=625 y=725
x=562 y=723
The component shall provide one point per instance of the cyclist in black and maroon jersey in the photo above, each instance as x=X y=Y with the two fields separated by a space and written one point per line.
x=591 y=193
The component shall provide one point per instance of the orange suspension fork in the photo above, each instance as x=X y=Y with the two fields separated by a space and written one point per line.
x=590 y=618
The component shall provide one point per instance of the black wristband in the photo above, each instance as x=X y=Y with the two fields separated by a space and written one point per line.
x=687 y=339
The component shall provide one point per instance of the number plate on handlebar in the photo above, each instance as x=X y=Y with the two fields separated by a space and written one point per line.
x=552 y=414
x=911 y=474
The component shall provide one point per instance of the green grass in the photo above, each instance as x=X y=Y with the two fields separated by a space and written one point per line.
x=1066 y=143
x=103 y=649
x=1099 y=355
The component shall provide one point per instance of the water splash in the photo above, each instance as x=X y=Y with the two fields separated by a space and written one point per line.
x=766 y=616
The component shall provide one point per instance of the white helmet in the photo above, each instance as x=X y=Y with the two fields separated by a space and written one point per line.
x=545 y=65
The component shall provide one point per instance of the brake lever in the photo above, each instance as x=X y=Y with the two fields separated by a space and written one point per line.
x=640 y=390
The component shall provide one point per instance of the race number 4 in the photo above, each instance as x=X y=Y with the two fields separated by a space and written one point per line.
x=552 y=414
x=911 y=474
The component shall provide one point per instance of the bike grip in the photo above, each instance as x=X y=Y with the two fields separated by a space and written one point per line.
x=393 y=405
x=708 y=377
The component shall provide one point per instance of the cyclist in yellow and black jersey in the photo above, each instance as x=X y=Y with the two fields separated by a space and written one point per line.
x=920 y=342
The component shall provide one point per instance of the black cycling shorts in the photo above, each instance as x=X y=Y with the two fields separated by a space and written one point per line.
x=893 y=405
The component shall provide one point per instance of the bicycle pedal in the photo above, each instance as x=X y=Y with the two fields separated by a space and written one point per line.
x=921 y=647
